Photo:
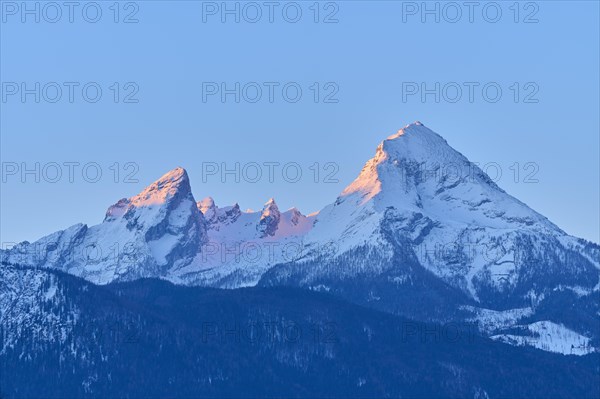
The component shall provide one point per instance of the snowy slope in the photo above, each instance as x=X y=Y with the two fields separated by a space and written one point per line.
x=33 y=307
x=551 y=337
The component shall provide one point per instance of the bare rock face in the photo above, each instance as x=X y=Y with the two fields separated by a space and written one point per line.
x=269 y=219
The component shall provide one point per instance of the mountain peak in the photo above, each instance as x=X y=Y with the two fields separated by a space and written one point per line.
x=174 y=177
x=206 y=203
x=415 y=171
x=270 y=208
x=269 y=219
x=415 y=127
x=208 y=208
x=175 y=173
x=167 y=186
x=412 y=160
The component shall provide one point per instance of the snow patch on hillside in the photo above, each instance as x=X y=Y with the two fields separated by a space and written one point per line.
x=551 y=337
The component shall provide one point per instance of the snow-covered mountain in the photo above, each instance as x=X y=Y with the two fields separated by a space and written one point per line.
x=143 y=236
x=163 y=232
x=422 y=232
x=420 y=194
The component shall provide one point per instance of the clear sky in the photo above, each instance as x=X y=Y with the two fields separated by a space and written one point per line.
x=369 y=68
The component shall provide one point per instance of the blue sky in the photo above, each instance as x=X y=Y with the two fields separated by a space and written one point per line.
x=356 y=77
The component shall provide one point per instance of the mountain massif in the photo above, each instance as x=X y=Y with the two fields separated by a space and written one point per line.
x=422 y=234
